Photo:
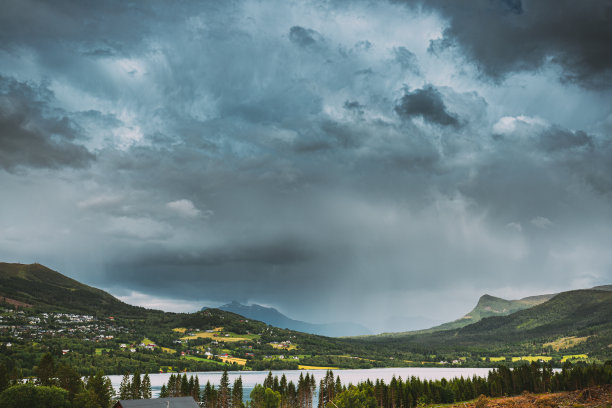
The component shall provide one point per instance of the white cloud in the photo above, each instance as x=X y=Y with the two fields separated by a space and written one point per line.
x=184 y=208
x=166 y=304
x=516 y=226
x=508 y=124
x=541 y=222
x=101 y=201
x=140 y=228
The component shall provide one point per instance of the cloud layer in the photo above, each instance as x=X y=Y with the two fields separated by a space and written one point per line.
x=395 y=158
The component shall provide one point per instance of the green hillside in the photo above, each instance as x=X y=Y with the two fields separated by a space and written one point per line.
x=492 y=306
x=576 y=322
x=580 y=313
x=570 y=313
x=47 y=289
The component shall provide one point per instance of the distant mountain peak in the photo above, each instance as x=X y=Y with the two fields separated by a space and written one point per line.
x=275 y=318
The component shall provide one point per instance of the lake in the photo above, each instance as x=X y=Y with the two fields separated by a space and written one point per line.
x=250 y=378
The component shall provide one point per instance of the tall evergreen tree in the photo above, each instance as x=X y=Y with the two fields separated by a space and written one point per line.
x=195 y=391
x=225 y=392
x=136 y=389
x=146 y=391
x=45 y=373
x=101 y=386
x=237 y=393
x=184 y=387
x=70 y=380
x=4 y=377
x=125 y=388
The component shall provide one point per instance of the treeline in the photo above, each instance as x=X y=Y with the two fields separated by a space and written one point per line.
x=55 y=387
x=536 y=377
x=274 y=392
x=224 y=396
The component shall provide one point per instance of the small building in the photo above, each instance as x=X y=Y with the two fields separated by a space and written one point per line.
x=169 y=402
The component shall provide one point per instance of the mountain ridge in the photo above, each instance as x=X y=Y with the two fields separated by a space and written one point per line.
x=275 y=318
x=38 y=285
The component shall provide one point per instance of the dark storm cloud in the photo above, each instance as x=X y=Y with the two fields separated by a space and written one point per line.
x=509 y=36
x=304 y=37
x=32 y=134
x=558 y=139
x=267 y=151
x=407 y=59
x=426 y=103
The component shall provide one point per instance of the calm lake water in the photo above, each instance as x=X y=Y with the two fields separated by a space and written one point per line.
x=250 y=378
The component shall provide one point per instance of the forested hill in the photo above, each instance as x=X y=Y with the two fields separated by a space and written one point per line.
x=492 y=306
x=583 y=314
x=39 y=286
x=574 y=312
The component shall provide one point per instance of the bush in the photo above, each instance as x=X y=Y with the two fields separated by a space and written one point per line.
x=31 y=396
x=482 y=402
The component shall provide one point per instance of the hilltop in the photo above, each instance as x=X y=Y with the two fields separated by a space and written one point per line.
x=37 y=285
x=488 y=306
x=578 y=314
x=275 y=318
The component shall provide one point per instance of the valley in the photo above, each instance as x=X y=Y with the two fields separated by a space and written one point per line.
x=90 y=329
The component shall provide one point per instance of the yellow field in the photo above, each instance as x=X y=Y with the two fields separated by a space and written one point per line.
x=532 y=358
x=305 y=367
x=280 y=347
x=494 y=359
x=147 y=341
x=204 y=335
x=566 y=342
x=168 y=350
x=230 y=360
x=574 y=357
x=184 y=329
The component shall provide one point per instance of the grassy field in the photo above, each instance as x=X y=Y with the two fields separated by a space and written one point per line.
x=219 y=335
x=281 y=347
x=99 y=350
x=356 y=358
x=565 y=342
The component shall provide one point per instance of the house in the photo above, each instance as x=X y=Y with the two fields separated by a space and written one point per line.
x=169 y=402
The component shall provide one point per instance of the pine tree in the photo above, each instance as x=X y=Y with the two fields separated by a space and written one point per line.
x=146 y=392
x=191 y=386
x=237 y=393
x=136 y=386
x=184 y=387
x=163 y=393
x=269 y=381
x=224 y=391
x=125 y=389
x=195 y=391
x=102 y=387
x=45 y=373
x=209 y=396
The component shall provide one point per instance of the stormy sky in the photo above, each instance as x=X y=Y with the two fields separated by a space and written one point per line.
x=382 y=162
